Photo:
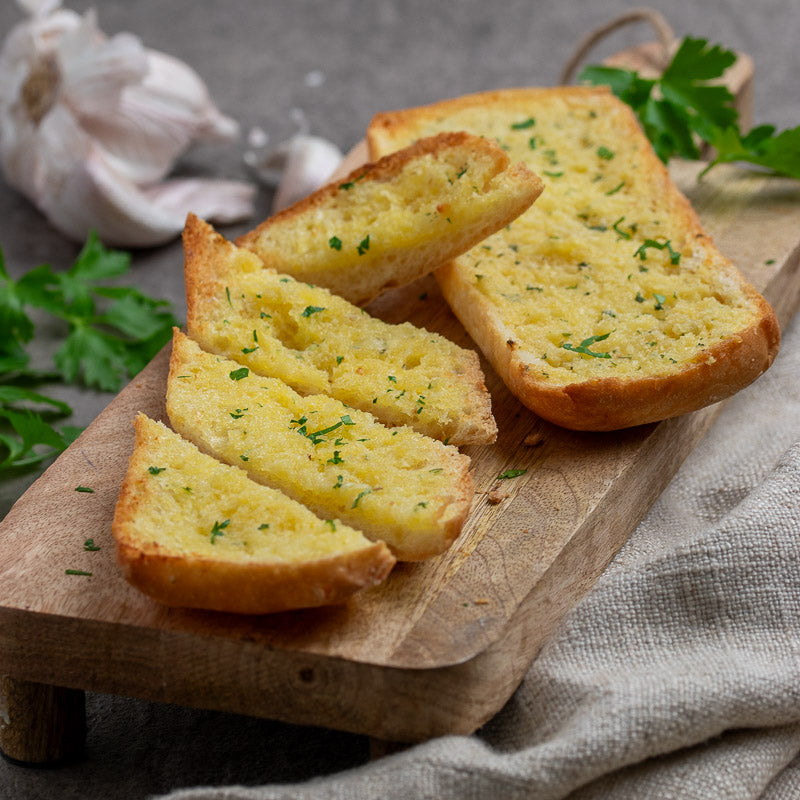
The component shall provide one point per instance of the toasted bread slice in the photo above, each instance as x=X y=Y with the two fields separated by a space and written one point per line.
x=391 y=222
x=394 y=485
x=604 y=305
x=193 y=532
x=319 y=343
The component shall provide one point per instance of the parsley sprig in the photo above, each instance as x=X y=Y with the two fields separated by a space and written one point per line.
x=684 y=105
x=110 y=332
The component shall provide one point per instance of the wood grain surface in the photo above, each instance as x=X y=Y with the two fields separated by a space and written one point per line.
x=442 y=644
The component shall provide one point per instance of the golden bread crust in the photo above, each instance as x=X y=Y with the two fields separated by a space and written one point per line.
x=731 y=355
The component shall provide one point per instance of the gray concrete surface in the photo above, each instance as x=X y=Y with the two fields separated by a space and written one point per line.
x=255 y=56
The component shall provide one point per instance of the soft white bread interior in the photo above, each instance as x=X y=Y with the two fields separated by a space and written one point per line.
x=395 y=485
x=196 y=533
x=604 y=305
x=319 y=343
x=393 y=221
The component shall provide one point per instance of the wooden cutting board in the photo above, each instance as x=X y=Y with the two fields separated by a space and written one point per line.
x=442 y=644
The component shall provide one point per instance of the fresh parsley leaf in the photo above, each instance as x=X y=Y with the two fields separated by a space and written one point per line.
x=583 y=347
x=511 y=473
x=687 y=105
x=309 y=310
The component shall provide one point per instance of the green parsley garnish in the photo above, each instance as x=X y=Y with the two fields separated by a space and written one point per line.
x=605 y=153
x=238 y=374
x=78 y=572
x=331 y=524
x=84 y=489
x=309 y=310
x=674 y=257
x=339 y=481
x=337 y=459
x=583 y=347
x=511 y=473
x=263 y=526
x=216 y=531
x=155 y=470
x=521 y=126
x=363 y=245
x=688 y=103
x=335 y=243
x=109 y=333
x=90 y=546
x=360 y=495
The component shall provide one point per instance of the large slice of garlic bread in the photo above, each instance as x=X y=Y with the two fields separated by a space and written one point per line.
x=604 y=305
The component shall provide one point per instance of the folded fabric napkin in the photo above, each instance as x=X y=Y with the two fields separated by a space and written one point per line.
x=677 y=676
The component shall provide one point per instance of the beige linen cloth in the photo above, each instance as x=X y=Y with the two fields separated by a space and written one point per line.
x=678 y=676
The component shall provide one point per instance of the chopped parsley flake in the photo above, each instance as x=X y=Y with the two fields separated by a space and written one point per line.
x=238 y=374
x=84 y=489
x=521 y=126
x=363 y=245
x=605 y=153
x=360 y=495
x=155 y=470
x=674 y=257
x=90 y=546
x=337 y=459
x=77 y=572
x=583 y=347
x=309 y=310
x=217 y=530
x=335 y=243
x=511 y=473
x=263 y=526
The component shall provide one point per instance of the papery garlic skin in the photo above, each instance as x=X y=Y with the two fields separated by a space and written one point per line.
x=91 y=125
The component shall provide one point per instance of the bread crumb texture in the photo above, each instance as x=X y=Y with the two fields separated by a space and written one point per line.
x=319 y=343
x=394 y=484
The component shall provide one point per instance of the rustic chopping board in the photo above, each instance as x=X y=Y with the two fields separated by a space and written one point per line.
x=442 y=644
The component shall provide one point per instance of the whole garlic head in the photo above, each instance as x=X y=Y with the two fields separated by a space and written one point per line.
x=90 y=126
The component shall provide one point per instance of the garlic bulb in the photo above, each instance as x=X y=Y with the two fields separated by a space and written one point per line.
x=90 y=126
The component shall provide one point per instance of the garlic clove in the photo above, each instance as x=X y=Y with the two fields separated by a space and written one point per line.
x=95 y=197
x=309 y=163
